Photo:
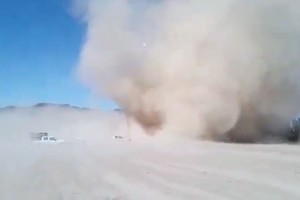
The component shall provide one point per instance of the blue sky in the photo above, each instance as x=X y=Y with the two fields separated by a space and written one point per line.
x=39 y=46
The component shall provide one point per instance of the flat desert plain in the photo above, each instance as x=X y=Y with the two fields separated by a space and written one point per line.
x=92 y=165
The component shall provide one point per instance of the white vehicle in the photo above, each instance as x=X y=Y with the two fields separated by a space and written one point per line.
x=49 y=140
x=117 y=137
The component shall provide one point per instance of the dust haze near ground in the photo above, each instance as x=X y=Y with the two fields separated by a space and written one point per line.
x=211 y=69
x=91 y=165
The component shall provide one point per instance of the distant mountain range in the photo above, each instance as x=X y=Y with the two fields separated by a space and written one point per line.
x=52 y=105
x=44 y=105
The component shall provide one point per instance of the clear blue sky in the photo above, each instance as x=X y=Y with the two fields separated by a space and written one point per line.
x=39 y=47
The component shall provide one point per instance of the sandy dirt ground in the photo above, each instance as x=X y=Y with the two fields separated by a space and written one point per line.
x=111 y=169
x=129 y=171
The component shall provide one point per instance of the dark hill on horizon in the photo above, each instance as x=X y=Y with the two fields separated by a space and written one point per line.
x=43 y=105
x=51 y=105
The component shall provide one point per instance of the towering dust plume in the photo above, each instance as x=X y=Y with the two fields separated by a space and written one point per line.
x=202 y=68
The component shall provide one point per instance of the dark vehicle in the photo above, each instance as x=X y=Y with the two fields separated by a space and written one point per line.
x=38 y=135
x=294 y=132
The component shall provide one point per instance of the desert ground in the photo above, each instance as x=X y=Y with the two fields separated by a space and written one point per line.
x=91 y=165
